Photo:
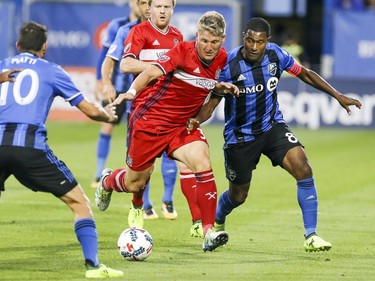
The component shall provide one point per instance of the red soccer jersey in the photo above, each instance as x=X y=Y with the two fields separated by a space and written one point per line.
x=179 y=94
x=147 y=42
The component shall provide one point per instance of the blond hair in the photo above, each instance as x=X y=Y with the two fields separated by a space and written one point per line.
x=213 y=22
x=173 y=2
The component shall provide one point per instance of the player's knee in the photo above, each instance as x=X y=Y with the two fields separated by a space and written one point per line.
x=239 y=195
x=304 y=171
x=240 y=198
x=202 y=164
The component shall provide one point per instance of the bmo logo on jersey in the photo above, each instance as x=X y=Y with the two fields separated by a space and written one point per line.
x=272 y=84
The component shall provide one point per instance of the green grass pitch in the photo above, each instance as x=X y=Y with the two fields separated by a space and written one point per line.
x=266 y=233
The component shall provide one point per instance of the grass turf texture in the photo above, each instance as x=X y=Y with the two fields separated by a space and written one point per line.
x=266 y=233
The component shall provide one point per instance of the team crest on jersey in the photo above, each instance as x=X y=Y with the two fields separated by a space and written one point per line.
x=127 y=47
x=272 y=68
x=217 y=74
x=164 y=58
x=175 y=41
x=231 y=174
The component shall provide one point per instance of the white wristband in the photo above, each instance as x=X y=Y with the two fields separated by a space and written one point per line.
x=132 y=91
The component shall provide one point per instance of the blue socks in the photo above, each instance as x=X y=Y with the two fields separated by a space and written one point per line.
x=88 y=237
x=169 y=172
x=102 y=152
x=308 y=201
x=224 y=207
x=147 y=204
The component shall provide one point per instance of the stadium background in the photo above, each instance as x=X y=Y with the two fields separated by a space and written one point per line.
x=340 y=45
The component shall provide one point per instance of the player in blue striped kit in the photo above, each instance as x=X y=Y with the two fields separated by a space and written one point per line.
x=24 y=152
x=254 y=125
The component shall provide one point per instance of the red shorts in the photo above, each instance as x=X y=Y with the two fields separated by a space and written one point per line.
x=148 y=142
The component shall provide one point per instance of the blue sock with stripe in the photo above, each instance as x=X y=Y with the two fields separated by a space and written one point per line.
x=308 y=201
x=87 y=235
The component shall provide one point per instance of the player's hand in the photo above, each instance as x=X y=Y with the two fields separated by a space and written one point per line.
x=109 y=92
x=111 y=111
x=227 y=88
x=346 y=101
x=123 y=97
x=7 y=76
x=192 y=124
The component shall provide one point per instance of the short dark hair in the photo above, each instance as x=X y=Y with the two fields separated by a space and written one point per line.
x=258 y=25
x=32 y=36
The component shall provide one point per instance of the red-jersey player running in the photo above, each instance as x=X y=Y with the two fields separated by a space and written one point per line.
x=158 y=123
x=144 y=44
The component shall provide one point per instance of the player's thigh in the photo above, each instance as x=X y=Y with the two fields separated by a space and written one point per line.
x=190 y=149
x=279 y=140
x=241 y=159
x=76 y=198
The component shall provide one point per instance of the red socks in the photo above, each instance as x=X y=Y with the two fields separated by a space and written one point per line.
x=138 y=198
x=188 y=188
x=206 y=197
x=115 y=181
x=199 y=190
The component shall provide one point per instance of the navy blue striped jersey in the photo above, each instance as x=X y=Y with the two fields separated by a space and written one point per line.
x=256 y=109
x=25 y=103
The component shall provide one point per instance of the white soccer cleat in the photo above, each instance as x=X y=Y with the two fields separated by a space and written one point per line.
x=103 y=197
x=213 y=239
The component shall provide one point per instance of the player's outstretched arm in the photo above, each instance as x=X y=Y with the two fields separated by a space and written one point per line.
x=315 y=80
x=96 y=112
x=8 y=75
x=143 y=79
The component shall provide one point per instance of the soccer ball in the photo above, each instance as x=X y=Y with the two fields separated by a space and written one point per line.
x=135 y=244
